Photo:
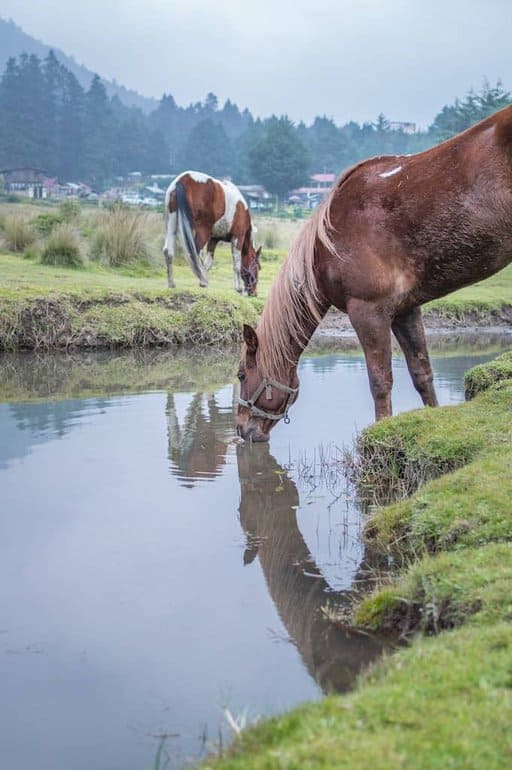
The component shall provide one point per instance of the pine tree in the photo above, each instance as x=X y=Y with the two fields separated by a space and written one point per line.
x=280 y=161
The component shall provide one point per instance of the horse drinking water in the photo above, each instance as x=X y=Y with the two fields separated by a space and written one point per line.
x=394 y=233
x=203 y=211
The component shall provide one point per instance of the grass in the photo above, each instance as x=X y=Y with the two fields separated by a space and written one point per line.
x=119 y=238
x=62 y=247
x=17 y=232
x=444 y=701
x=134 y=246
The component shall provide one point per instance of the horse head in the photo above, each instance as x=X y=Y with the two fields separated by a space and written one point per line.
x=263 y=400
x=250 y=268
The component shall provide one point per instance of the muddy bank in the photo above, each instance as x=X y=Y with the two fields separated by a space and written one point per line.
x=437 y=322
x=100 y=319
x=95 y=320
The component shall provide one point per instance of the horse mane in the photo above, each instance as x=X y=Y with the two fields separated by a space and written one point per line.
x=294 y=301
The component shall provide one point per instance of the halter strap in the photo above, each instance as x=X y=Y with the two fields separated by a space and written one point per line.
x=257 y=412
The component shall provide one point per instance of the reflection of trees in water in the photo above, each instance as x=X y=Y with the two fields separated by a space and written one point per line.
x=268 y=514
x=54 y=417
x=197 y=448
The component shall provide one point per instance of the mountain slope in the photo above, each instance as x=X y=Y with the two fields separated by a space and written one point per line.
x=14 y=41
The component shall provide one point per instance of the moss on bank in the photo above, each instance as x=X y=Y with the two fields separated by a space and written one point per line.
x=480 y=378
x=106 y=319
x=445 y=700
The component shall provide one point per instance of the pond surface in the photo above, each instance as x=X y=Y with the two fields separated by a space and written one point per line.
x=153 y=573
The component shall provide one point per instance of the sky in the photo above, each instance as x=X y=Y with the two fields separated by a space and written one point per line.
x=347 y=59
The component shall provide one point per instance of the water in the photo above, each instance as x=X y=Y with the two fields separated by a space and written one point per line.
x=152 y=572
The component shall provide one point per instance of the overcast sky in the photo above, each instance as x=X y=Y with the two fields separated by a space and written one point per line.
x=347 y=59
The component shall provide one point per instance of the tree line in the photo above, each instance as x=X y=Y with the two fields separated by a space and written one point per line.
x=50 y=121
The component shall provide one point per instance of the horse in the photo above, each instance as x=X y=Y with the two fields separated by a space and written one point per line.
x=393 y=233
x=198 y=447
x=332 y=655
x=203 y=211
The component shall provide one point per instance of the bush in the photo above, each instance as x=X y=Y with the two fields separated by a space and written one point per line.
x=270 y=237
x=44 y=223
x=63 y=247
x=32 y=253
x=17 y=232
x=120 y=239
x=69 y=210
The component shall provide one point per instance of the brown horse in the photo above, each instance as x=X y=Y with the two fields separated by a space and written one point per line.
x=268 y=514
x=204 y=211
x=394 y=233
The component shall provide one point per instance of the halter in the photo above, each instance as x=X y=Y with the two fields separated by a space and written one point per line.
x=248 y=272
x=267 y=385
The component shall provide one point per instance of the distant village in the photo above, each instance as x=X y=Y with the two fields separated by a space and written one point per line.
x=143 y=191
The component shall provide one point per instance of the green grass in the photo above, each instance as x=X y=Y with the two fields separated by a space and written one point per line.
x=480 y=378
x=445 y=701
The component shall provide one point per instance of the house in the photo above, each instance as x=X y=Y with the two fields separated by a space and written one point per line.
x=256 y=196
x=29 y=182
x=404 y=126
x=310 y=196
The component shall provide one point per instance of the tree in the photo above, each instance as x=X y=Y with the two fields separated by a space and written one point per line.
x=208 y=149
x=280 y=160
x=474 y=107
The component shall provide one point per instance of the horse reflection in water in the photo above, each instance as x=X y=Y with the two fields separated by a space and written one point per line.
x=268 y=514
x=198 y=443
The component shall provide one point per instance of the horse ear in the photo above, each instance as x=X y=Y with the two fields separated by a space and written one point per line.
x=258 y=254
x=250 y=339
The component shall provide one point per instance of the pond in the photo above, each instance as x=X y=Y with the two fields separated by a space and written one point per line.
x=157 y=580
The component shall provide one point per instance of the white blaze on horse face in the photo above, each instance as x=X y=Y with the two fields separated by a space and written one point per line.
x=393 y=171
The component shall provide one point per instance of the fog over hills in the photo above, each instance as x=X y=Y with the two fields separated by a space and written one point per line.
x=14 y=41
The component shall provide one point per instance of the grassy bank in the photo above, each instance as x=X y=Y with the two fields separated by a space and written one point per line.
x=45 y=308
x=446 y=699
x=95 y=278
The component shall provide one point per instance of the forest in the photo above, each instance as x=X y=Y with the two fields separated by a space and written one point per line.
x=50 y=121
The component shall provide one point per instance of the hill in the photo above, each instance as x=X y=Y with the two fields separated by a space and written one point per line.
x=14 y=41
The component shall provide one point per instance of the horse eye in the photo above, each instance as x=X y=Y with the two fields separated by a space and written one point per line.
x=241 y=376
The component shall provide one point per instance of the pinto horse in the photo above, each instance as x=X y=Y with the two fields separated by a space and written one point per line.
x=394 y=232
x=203 y=211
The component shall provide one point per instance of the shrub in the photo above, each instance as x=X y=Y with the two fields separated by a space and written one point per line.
x=17 y=232
x=69 y=210
x=32 y=252
x=44 y=223
x=270 y=237
x=63 y=247
x=120 y=239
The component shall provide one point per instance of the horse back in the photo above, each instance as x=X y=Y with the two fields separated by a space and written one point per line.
x=423 y=225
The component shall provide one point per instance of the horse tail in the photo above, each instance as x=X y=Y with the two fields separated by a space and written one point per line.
x=184 y=223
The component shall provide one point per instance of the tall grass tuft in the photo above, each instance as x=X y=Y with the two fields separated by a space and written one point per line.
x=69 y=210
x=63 y=247
x=18 y=232
x=120 y=238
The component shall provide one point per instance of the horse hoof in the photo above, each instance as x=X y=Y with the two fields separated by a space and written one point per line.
x=203 y=285
x=171 y=285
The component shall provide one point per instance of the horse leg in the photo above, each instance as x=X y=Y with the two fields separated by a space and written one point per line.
x=373 y=328
x=169 y=246
x=237 y=265
x=201 y=239
x=210 y=253
x=409 y=331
